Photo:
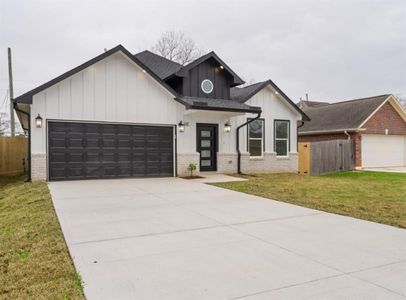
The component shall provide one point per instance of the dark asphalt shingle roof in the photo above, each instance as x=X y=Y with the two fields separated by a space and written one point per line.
x=161 y=66
x=305 y=103
x=242 y=94
x=216 y=104
x=341 y=115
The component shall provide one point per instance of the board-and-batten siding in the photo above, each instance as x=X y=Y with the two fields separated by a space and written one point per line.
x=112 y=90
x=273 y=107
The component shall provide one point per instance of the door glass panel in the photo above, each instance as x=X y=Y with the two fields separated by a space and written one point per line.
x=205 y=153
x=205 y=143
x=206 y=163
x=205 y=133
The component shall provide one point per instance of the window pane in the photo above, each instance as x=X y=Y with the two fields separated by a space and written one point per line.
x=281 y=147
x=205 y=153
x=255 y=129
x=205 y=143
x=205 y=163
x=281 y=129
x=205 y=133
x=255 y=147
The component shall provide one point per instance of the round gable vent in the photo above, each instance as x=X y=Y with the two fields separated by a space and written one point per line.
x=207 y=86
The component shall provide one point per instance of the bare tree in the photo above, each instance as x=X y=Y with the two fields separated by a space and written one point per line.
x=177 y=47
x=4 y=123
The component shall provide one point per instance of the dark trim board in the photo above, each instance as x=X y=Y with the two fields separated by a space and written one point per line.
x=111 y=150
x=27 y=97
x=271 y=83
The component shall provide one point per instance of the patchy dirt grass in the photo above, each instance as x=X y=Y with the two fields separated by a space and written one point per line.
x=34 y=259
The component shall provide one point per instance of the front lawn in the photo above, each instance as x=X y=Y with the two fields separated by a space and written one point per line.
x=34 y=260
x=374 y=196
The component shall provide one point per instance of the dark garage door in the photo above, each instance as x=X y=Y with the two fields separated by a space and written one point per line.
x=90 y=150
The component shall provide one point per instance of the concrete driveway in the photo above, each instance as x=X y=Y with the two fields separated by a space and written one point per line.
x=178 y=239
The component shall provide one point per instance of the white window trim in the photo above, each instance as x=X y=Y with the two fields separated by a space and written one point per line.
x=282 y=139
x=257 y=139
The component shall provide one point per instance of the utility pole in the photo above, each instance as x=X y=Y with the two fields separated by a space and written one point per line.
x=10 y=81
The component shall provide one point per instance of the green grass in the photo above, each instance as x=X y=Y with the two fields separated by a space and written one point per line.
x=34 y=259
x=374 y=196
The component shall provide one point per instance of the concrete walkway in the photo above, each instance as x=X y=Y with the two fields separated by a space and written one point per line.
x=387 y=169
x=178 y=239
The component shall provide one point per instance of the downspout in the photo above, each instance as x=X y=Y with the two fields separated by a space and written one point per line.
x=297 y=134
x=29 y=137
x=347 y=134
x=238 y=141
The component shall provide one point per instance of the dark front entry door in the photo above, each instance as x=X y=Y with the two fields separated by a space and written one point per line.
x=207 y=146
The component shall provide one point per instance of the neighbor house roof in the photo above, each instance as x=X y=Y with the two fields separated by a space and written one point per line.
x=159 y=65
x=306 y=103
x=243 y=94
x=341 y=116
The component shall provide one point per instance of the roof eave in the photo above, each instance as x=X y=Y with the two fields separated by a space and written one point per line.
x=184 y=71
x=211 y=108
x=26 y=98
x=305 y=117
x=312 y=132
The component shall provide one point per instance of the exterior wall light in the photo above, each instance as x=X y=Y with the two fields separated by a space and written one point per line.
x=38 y=121
x=181 y=126
x=227 y=127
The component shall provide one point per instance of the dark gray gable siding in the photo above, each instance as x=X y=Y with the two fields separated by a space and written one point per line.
x=207 y=70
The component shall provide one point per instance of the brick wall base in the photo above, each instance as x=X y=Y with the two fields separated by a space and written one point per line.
x=227 y=163
x=184 y=159
x=269 y=163
x=38 y=166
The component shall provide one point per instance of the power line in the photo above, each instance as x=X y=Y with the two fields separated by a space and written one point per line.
x=5 y=100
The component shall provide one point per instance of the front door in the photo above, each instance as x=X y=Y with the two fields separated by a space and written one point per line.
x=207 y=146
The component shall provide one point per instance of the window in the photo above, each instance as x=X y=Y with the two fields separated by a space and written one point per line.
x=207 y=86
x=256 y=137
x=281 y=137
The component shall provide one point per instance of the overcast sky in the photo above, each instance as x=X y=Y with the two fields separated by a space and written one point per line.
x=333 y=50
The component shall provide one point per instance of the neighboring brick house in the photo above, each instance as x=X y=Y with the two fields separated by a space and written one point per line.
x=377 y=125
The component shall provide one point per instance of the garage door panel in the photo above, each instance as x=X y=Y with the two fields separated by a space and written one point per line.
x=90 y=150
x=383 y=150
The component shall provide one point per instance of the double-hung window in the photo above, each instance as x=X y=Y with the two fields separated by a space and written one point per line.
x=256 y=137
x=281 y=137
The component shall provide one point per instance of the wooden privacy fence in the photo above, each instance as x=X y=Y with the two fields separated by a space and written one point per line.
x=317 y=158
x=13 y=155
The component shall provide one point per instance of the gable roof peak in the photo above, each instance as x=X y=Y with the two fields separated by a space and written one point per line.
x=185 y=69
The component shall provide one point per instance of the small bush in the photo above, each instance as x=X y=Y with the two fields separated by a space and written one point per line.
x=192 y=167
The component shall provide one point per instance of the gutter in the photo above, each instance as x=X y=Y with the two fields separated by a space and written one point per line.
x=29 y=137
x=238 y=141
x=330 y=131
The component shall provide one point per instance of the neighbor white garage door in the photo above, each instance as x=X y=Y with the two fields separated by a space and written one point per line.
x=383 y=150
